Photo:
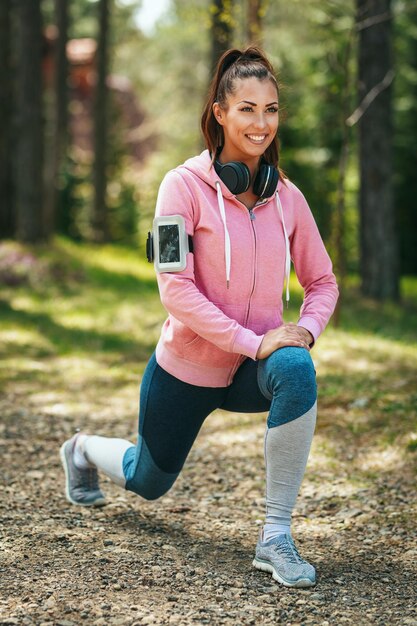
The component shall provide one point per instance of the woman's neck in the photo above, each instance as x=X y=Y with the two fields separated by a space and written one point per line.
x=248 y=198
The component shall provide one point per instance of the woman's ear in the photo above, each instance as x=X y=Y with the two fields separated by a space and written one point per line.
x=218 y=113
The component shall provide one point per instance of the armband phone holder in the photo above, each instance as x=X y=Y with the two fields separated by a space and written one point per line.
x=168 y=244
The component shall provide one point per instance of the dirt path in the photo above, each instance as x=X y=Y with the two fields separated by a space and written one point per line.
x=186 y=559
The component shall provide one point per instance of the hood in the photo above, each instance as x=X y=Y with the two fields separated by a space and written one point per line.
x=201 y=166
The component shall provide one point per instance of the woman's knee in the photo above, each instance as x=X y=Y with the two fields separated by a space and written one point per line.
x=290 y=369
x=151 y=488
x=144 y=477
x=289 y=377
x=291 y=363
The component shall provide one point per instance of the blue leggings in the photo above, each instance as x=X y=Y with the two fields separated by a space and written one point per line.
x=172 y=412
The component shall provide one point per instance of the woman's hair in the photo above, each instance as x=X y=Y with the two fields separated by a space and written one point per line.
x=233 y=65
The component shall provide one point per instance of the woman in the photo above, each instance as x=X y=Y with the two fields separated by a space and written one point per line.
x=224 y=344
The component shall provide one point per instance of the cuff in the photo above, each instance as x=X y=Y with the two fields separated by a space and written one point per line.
x=247 y=342
x=312 y=326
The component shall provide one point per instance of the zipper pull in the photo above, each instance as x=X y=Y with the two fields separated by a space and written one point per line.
x=252 y=215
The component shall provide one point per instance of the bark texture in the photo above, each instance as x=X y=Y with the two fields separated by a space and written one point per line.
x=6 y=215
x=57 y=139
x=100 y=217
x=29 y=126
x=378 y=241
x=221 y=29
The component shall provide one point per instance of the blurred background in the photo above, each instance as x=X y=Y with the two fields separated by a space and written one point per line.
x=99 y=98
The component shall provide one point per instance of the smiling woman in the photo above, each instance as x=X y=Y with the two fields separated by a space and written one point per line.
x=251 y=115
x=224 y=343
x=250 y=123
x=240 y=119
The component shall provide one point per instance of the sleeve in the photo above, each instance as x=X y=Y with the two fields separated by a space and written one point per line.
x=179 y=294
x=314 y=271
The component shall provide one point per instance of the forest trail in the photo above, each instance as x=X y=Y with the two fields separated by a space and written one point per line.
x=186 y=559
x=74 y=340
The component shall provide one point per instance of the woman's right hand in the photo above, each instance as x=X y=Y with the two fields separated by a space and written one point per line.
x=286 y=335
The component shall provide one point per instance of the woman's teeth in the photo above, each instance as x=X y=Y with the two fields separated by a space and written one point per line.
x=257 y=138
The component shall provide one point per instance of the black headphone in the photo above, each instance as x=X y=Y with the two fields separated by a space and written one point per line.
x=236 y=177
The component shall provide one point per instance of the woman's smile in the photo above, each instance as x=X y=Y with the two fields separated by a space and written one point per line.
x=257 y=139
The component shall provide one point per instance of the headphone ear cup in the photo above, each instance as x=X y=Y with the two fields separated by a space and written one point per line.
x=266 y=181
x=235 y=175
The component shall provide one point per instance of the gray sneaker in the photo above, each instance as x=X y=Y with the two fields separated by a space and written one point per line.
x=280 y=557
x=81 y=484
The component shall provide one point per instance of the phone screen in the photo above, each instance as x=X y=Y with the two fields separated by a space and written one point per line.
x=169 y=243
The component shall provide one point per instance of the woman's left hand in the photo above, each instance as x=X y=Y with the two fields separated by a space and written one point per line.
x=304 y=333
x=286 y=335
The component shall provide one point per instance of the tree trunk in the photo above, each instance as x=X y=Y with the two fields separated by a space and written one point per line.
x=378 y=242
x=221 y=29
x=57 y=139
x=100 y=217
x=29 y=127
x=256 y=11
x=6 y=213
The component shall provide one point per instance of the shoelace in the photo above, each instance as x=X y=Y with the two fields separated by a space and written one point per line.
x=289 y=549
x=88 y=479
x=92 y=479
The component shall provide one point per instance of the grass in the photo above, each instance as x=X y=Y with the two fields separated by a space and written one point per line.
x=78 y=323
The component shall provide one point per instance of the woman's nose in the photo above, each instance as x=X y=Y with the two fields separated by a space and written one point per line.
x=260 y=121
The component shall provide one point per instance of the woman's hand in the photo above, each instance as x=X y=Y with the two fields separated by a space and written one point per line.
x=286 y=335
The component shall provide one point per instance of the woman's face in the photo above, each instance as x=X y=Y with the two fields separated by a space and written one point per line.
x=249 y=120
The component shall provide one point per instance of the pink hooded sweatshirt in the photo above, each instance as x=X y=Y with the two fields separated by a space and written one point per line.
x=230 y=293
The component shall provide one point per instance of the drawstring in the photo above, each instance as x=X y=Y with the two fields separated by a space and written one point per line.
x=287 y=251
x=227 y=247
x=226 y=232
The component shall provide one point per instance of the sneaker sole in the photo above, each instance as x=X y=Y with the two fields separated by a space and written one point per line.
x=98 y=502
x=264 y=566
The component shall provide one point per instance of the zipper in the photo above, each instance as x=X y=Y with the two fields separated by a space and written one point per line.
x=252 y=218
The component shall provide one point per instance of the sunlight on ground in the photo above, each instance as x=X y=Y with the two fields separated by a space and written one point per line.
x=116 y=260
x=20 y=337
x=381 y=460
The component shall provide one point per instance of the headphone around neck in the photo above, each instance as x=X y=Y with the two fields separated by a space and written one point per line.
x=236 y=176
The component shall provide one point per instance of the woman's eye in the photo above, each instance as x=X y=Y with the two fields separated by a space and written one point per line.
x=272 y=110
x=246 y=109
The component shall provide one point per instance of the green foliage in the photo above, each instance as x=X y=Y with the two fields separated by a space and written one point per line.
x=76 y=189
x=75 y=196
x=309 y=46
x=170 y=72
x=79 y=299
x=75 y=178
